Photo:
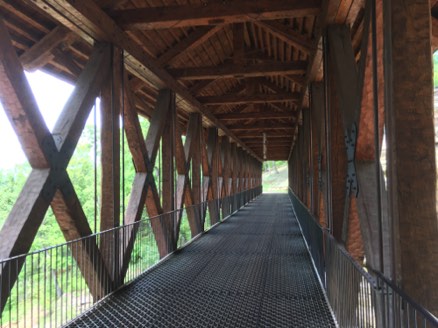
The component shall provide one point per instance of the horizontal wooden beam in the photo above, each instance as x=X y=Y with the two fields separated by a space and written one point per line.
x=239 y=71
x=270 y=147
x=235 y=99
x=260 y=146
x=276 y=157
x=259 y=126
x=255 y=115
x=270 y=135
x=271 y=141
x=213 y=12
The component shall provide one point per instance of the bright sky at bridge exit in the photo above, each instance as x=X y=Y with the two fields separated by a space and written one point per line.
x=51 y=95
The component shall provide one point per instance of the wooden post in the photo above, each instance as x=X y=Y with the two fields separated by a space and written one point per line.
x=316 y=117
x=411 y=148
x=196 y=171
x=212 y=147
x=111 y=103
x=168 y=171
x=338 y=157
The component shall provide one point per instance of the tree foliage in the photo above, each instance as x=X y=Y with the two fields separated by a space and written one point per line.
x=84 y=168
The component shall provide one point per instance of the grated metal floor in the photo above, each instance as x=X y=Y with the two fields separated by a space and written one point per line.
x=253 y=270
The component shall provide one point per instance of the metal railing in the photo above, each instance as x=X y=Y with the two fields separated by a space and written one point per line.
x=51 y=288
x=358 y=298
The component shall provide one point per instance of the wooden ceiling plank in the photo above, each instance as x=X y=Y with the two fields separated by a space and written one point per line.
x=213 y=12
x=246 y=99
x=196 y=38
x=199 y=86
x=239 y=71
x=238 y=44
x=287 y=35
x=297 y=79
x=272 y=86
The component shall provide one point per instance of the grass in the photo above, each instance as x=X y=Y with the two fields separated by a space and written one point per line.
x=274 y=182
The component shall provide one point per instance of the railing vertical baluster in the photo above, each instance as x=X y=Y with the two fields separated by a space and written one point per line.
x=362 y=292
x=9 y=288
x=24 y=290
x=52 y=287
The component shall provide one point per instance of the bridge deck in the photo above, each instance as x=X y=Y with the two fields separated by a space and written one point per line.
x=253 y=270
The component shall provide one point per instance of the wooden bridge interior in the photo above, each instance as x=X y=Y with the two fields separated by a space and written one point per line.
x=228 y=84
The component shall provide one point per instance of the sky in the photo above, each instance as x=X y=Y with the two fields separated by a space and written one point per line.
x=51 y=94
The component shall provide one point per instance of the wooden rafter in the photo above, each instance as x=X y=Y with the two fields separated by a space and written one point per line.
x=287 y=34
x=193 y=40
x=297 y=79
x=213 y=12
x=238 y=71
x=271 y=85
x=238 y=44
x=41 y=53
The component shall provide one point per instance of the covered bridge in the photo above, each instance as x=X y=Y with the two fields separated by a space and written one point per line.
x=340 y=89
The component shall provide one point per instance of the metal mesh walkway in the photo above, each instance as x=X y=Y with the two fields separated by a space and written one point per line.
x=253 y=270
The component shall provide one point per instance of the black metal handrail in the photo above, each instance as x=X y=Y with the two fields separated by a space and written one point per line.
x=358 y=298
x=51 y=288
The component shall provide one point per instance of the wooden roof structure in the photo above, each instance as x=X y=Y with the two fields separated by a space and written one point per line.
x=244 y=64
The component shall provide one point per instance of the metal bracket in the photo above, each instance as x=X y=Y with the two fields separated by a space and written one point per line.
x=320 y=182
x=350 y=143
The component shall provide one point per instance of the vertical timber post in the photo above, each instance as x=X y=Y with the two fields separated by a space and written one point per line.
x=111 y=103
x=411 y=148
x=168 y=171
x=338 y=157
x=196 y=172
x=212 y=157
